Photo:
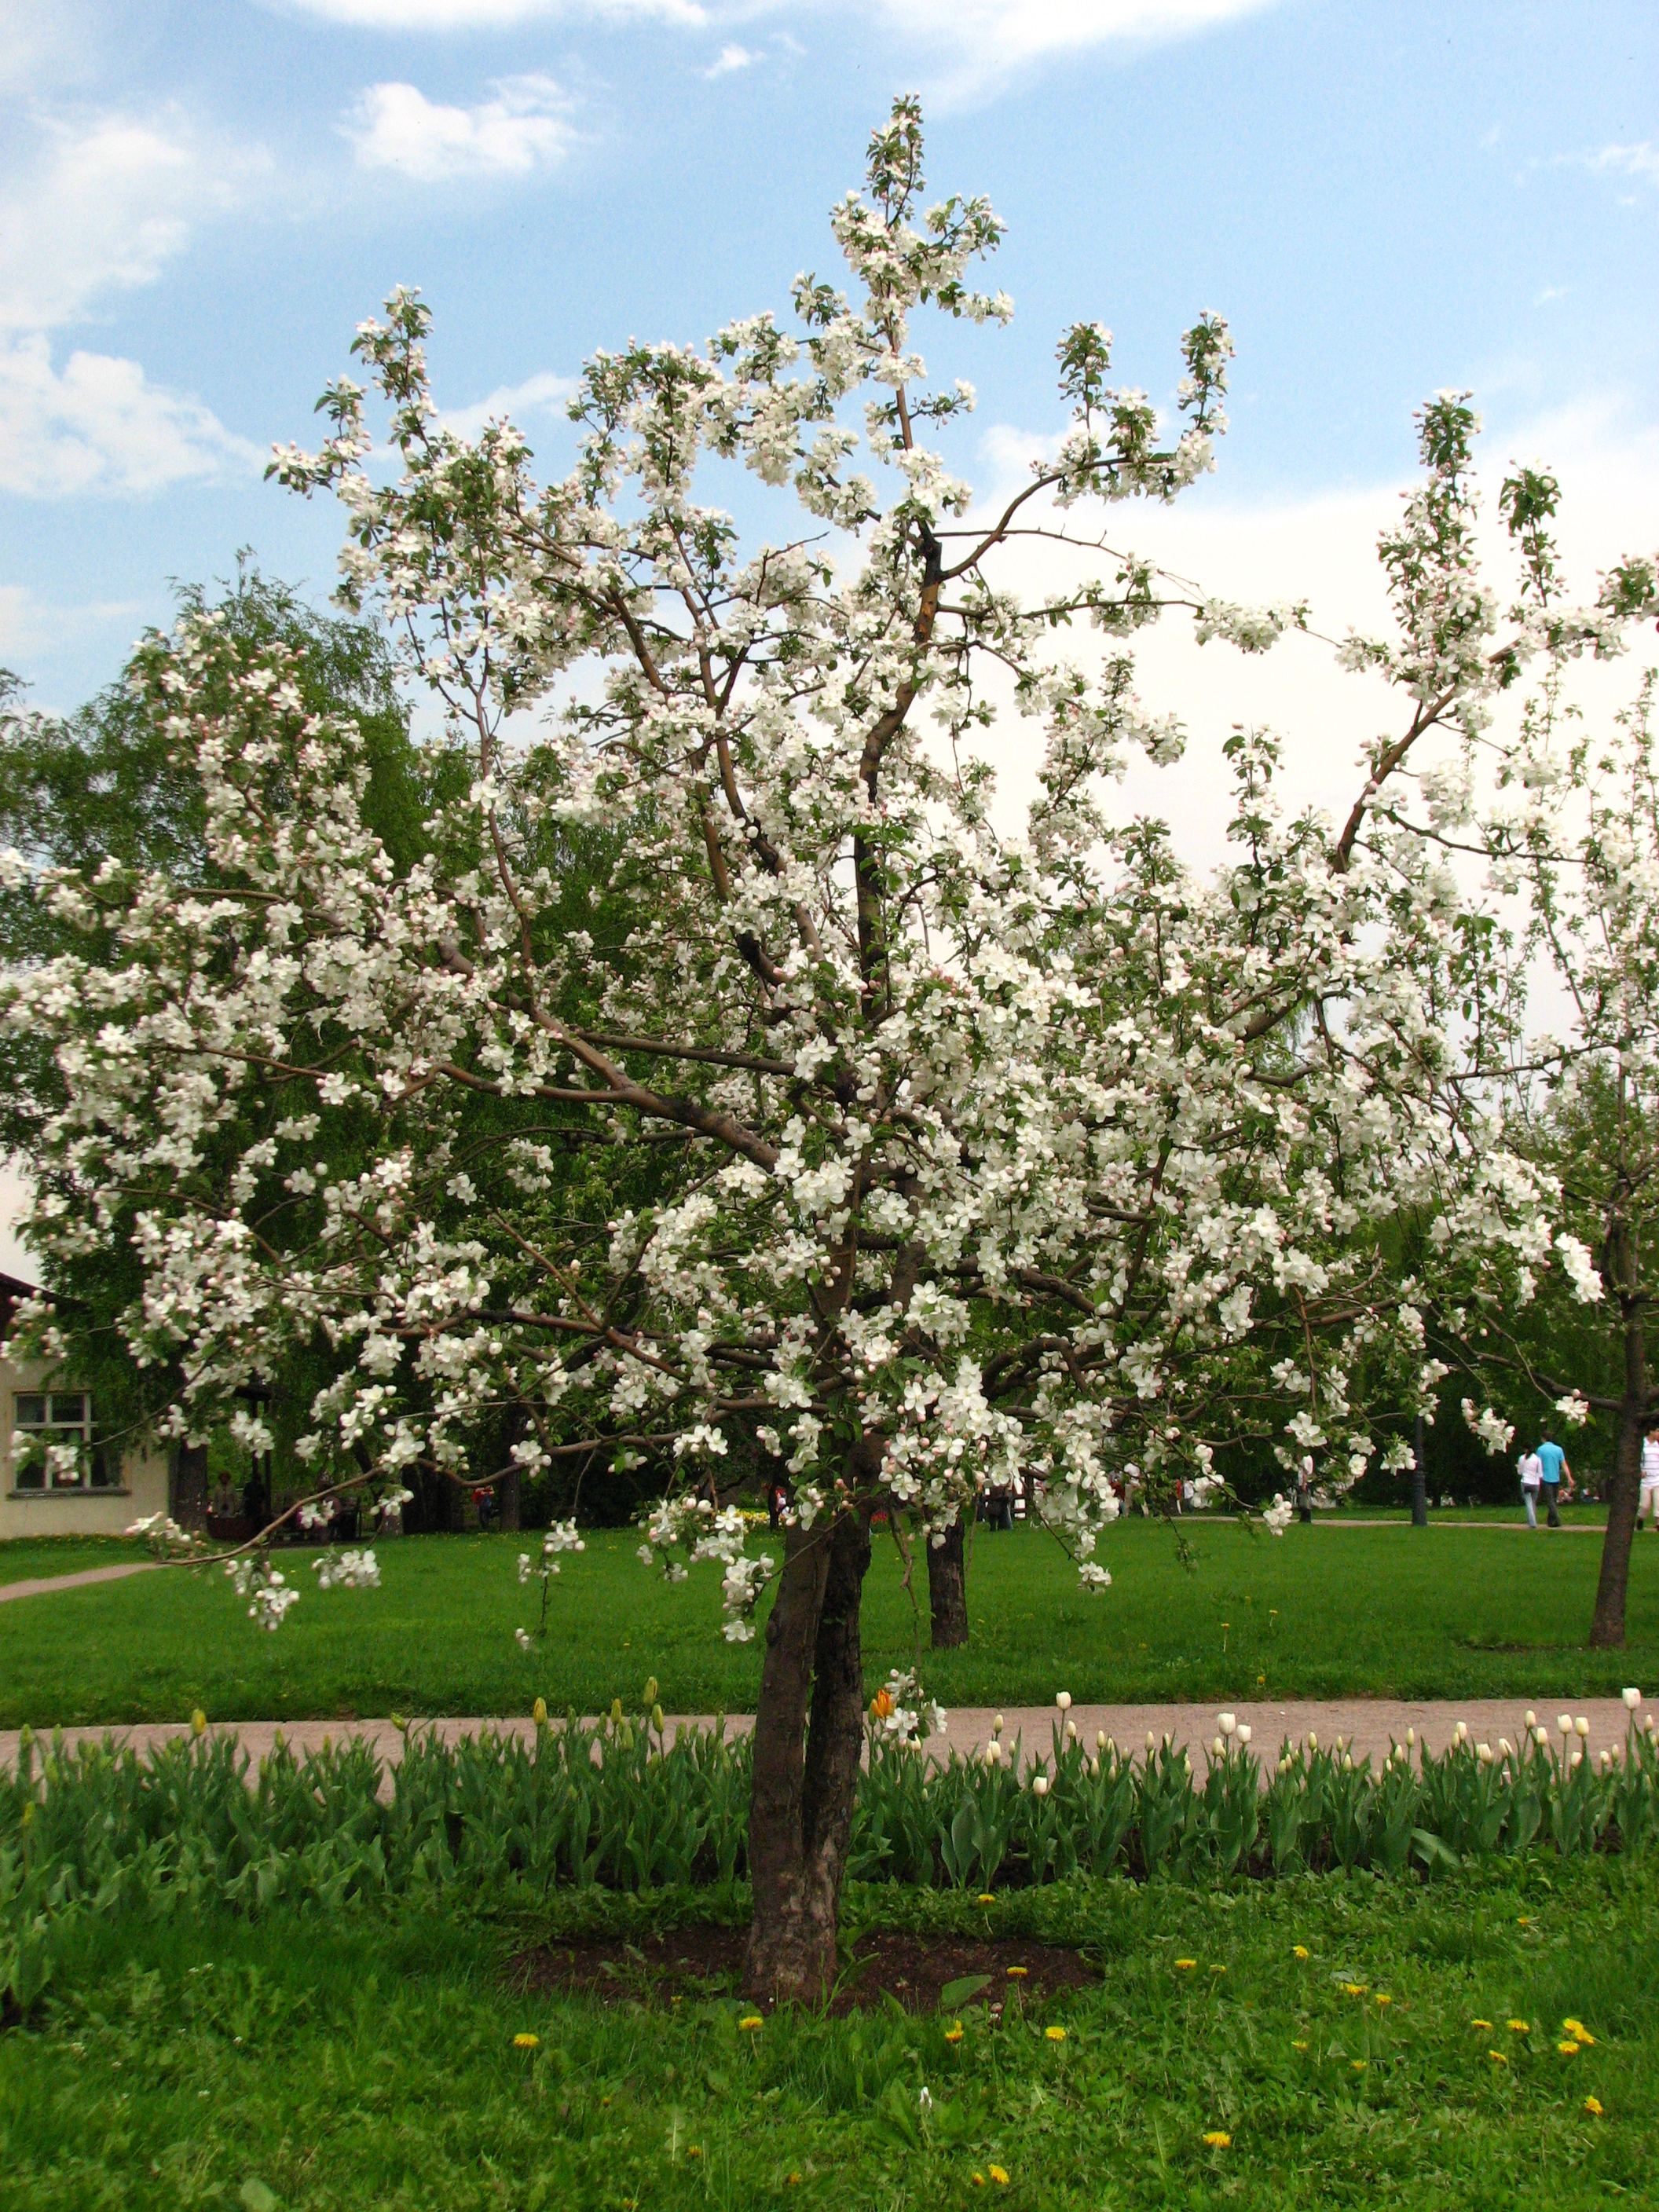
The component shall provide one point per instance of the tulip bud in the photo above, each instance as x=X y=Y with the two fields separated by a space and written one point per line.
x=1312 y=1741
x=1581 y=1726
x=1347 y=1763
x=1243 y=1732
x=1152 y=1740
x=657 y=1718
x=996 y=1725
x=1532 y=1723
x=1040 y=1785
x=1100 y=1738
x=538 y=1712
x=1063 y=1701
x=1563 y=1722
x=651 y=1690
x=1094 y=1766
x=615 y=1710
x=1228 y=1723
x=1632 y=1698
x=1216 y=1748
x=198 y=1723
x=1411 y=1738
x=1463 y=1732
x=1071 y=1731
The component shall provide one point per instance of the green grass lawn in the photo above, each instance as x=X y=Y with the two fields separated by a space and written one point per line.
x=368 y=2060
x=26 y=1557
x=1321 y=1611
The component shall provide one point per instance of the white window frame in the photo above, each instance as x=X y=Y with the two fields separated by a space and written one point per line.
x=51 y=1431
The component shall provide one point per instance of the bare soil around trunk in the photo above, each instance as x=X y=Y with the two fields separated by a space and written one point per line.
x=696 y=1964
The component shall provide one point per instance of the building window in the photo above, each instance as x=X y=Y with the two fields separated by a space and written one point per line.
x=52 y=1446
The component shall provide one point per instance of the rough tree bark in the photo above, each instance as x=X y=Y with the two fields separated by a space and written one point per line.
x=947 y=1588
x=190 y=1487
x=1607 y=1629
x=809 y=1733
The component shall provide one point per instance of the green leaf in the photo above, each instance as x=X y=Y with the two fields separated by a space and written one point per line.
x=256 y=2197
x=961 y=1991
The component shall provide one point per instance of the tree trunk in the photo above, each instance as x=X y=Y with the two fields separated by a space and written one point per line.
x=800 y=1813
x=1607 y=1629
x=947 y=1588
x=190 y=1487
x=507 y=1497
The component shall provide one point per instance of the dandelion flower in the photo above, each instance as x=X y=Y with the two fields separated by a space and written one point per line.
x=1577 y=2031
x=1298 y=2043
x=1055 y=2034
x=1186 y=1965
x=1499 y=2056
x=694 y=2151
x=526 y=2042
x=1219 y=2139
x=1358 y=1990
x=1299 y=1950
x=953 y=2034
x=1568 y=2050
x=1518 y=2026
x=1593 y=2105
x=1218 y=1970
x=1480 y=2023
x=751 y=2019
x=1383 y=1998
x=998 y=2174
x=1018 y=1974
x=988 y=1896
x=979 y=2181
x=1360 y=2065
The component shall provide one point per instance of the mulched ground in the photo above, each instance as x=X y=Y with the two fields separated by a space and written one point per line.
x=914 y=1970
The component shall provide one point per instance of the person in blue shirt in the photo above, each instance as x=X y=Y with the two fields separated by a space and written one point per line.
x=1553 y=1462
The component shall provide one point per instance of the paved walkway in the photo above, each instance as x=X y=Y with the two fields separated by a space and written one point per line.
x=43 y=1585
x=1364 y=1724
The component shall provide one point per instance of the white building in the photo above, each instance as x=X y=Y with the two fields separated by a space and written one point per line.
x=61 y=1478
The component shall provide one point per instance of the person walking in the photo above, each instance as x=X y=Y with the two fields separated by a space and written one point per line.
x=1531 y=1479
x=1648 y=1502
x=1553 y=1463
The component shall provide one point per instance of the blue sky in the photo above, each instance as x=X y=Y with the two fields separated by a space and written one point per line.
x=200 y=201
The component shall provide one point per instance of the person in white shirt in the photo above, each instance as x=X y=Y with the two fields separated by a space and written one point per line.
x=1532 y=1482
x=1648 y=1502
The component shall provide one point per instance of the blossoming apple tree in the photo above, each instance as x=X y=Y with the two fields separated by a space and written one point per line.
x=993 y=1145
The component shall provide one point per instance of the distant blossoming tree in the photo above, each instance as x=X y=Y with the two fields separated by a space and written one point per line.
x=1001 y=1148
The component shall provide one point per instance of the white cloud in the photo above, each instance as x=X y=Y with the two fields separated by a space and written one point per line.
x=731 y=58
x=486 y=15
x=100 y=426
x=1641 y=160
x=109 y=206
x=396 y=126
x=988 y=40
x=541 y=394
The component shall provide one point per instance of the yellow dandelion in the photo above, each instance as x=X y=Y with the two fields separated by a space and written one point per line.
x=1568 y=2050
x=988 y=1896
x=1593 y=2105
x=1480 y=2023
x=1358 y=1990
x=1502 y=2057
x=1523 y=1920
x=794 y=2181
x=1299 y=1950
x=979 y=2181
x=694 y=2151
x=1577 y=2031
x=1383 y=1998
x=526 y=2042
x=1017 y=1973
x=998 y=2174
x=1298 y=2043
x=751 y=2019
x=1055 y=2034
x=1218 y=1970
x=1360 y=2065
x=953 y=2034
x=1186 y=1966
x=1219 y=2139
x=1518 y=2026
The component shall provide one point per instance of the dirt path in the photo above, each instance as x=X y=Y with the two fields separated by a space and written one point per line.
x=43 y=1585
x=1365 y=1724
